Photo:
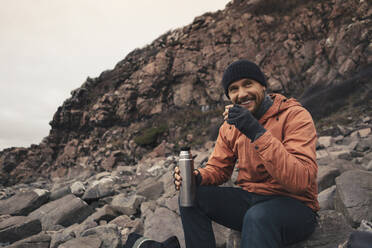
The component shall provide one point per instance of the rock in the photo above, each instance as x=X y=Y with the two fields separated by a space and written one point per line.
x=362 y=133
x=61 y=237
x=77 y=188
x=325 y=141
x=332 y=229
x=359 y=239
x=354 y=196
x=24 y=203
x=326 y=177
x=107 y=213
x=326 y=198
x=150 y=188
x=233 y=239
x=83 y=242
x=321 y=154
x=368 y=166
x=121 y=221
x=65 y=211
x=108 y=234
x=342 y=165
x=99 y=189
x=41 y=240
x=221 y=234
x=127 y=205
x=337 y=151
x=365 y=226
x=163 y=224
x=60 y=192
x=17 y=228
x=77 y=229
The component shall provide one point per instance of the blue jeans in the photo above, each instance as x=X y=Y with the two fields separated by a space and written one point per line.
x=264 y=221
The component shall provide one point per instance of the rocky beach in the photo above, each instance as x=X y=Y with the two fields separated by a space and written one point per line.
x=105 y=169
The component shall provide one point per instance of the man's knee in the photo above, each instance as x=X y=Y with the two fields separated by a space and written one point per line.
x=257 y=215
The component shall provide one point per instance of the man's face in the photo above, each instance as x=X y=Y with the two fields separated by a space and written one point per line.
x=248 y=93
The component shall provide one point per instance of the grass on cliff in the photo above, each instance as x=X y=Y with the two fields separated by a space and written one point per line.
x=177 y=125
x=150 y=135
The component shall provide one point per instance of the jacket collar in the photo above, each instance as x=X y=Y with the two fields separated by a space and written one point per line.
x=280 y=103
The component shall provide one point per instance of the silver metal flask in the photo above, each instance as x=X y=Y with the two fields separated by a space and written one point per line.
x=188 y=186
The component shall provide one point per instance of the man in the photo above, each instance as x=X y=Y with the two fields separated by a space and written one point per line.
x=272 y=140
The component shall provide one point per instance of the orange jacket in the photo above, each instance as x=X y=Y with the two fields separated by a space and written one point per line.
x=280 y=162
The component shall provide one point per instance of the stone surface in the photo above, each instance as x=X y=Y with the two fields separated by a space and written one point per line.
x=326 y=177
x=65 y=211
x=106 y=213
x=127 y=205
x=77 y=188
x=163 y=224
x=60 y=192
x=108 y=234
x=83 y=242
x=99 y=189
x=24 y=203
x=325 y=141
x=326 y=198
x=41 y=240
x=151 y=189
x=17 y=228
x=332 y=229
x=354 y=196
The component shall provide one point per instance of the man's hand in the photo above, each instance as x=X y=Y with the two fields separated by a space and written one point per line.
x=243 y=120
x=178 y=179
x=226 y=112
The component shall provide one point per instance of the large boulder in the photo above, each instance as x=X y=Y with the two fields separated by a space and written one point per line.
x=99 y=189
x=127 y=205
x=24 y=203
x=17 y=228
x=151 y=188
x=41 y=240
x=354 y=196
x=332 y=230
x=65 y=212
x=162 y=224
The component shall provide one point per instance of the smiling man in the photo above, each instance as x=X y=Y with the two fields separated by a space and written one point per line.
x=271 y=140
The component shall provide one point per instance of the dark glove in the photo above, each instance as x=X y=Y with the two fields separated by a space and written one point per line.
x=243 y=120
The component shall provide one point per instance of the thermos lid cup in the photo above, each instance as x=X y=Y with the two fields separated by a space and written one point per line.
x=185 y=149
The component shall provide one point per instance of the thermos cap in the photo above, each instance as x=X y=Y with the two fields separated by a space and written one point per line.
x=185 y=149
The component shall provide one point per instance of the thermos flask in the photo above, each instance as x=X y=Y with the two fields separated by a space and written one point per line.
x=188 y=186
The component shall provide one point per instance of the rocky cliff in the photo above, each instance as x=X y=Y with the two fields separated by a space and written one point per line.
x=113 y=142
x=169 y=91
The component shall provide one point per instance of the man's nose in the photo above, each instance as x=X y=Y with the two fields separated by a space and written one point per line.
x=242 y=93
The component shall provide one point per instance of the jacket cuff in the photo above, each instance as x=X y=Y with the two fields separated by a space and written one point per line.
x=198 y=178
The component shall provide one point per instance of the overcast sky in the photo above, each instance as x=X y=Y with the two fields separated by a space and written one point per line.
x=49 y=47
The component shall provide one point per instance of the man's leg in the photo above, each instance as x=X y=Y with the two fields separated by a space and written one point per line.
x=277 y=222
x=224 y=205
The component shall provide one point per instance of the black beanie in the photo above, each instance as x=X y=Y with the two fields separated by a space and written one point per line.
x=242 y=69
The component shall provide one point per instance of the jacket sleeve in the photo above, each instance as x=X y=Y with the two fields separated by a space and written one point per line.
x=221 y=163
x=292 y=161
